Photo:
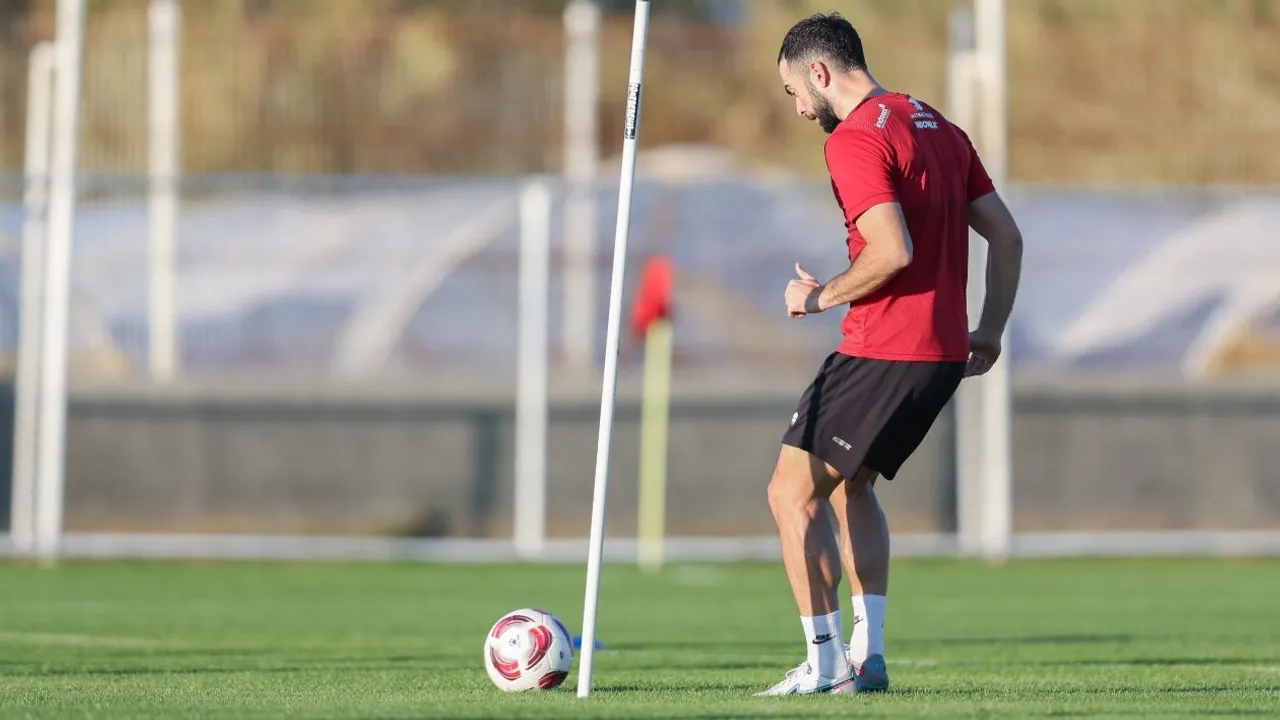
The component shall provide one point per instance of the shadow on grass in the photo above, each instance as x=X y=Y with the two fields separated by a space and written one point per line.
x=284 y=666
x=716 y=665
x=747 y=689
x=798 y=707
x=1068 y=639
x=958 y=693
x=1154 y=662
x=767 y=646
x=1199 y=712
x=1092 y=692
x=761 y=645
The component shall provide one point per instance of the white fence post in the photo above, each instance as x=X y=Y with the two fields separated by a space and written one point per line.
x=581 y=98
x=531 y=381
x=164 y=138
x=51 y=438
x=962 y=108
x=40 y=78
x=997 y=457
x=984 y=475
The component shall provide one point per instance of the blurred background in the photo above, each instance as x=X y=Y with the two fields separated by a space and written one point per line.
x=338 y=356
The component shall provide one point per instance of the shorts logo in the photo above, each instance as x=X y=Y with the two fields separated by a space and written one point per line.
x=842 y=443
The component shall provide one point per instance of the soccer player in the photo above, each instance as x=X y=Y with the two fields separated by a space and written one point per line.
x=911 y=185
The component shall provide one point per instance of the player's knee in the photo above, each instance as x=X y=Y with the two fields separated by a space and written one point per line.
x=777 y=492
x=784 y=493
x=788 y=493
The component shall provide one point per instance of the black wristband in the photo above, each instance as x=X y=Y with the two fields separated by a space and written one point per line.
x=811 y=305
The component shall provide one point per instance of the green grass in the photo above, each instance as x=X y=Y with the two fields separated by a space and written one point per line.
x=1068 y=638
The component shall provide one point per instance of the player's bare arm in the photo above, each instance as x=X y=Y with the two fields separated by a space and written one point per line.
x=991 y=219
x=888 y=251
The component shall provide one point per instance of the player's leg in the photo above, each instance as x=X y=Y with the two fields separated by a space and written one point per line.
x=838 y=419
x=798 y=494
x=926 y=388
x=864 y=533
x=864 y=550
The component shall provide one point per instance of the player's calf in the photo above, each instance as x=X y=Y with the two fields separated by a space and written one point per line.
x=798 y=493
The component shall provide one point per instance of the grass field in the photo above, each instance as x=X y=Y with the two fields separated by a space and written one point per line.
x=1065 y=638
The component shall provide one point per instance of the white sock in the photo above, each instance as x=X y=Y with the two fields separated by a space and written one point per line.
x=868 y=627
x=822 y=638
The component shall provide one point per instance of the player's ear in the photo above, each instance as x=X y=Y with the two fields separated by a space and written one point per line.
x=820 y=72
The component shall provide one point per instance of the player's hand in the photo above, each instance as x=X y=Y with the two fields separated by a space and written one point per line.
x=798 y=291
x=984 y=350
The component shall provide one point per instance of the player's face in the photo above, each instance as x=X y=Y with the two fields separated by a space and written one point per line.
x=811 y=104
x=823 y=109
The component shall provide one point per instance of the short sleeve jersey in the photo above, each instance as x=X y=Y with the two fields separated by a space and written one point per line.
x=893 y=148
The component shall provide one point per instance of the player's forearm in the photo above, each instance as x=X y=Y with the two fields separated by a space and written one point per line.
x=868 y=273
x=1004 y=268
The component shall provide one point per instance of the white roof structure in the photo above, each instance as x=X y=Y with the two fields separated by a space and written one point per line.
x=692 y=162
x=370 y=273
x=1232 y=254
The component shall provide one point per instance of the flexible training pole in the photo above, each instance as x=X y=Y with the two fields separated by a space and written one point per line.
x=630 y=134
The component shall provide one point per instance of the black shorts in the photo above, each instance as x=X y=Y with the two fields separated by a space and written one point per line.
x=871 y=413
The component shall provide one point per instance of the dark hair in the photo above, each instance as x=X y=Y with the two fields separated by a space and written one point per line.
x=824 y=37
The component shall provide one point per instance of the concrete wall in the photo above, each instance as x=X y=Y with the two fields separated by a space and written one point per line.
x=438 y=460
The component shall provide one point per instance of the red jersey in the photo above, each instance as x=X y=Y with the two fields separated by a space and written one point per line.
x=892 y=148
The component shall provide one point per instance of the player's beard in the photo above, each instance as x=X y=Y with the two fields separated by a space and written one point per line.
x=822 y=109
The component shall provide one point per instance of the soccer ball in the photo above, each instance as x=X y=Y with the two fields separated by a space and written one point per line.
x=528 y=650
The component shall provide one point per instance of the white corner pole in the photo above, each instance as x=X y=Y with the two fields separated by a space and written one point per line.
x=996 y=447
x=35 y=200
x=630 y=135
x=531 y=378
x=581 y=99
x=69 y=48
x=163 y=133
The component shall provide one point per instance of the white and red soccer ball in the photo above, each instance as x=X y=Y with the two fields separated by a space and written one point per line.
x=528 y=650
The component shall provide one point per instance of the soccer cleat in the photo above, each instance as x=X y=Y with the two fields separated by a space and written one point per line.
x=871 y=675
x=802 y=680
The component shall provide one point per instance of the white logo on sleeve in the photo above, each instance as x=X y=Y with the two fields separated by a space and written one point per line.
x=884 y=116
x=842 y=443
x=925 y=120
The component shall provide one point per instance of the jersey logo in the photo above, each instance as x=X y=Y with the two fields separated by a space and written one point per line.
x=884 y=117
x=923 y=118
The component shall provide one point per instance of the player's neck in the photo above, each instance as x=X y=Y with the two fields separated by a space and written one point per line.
x=852 y=89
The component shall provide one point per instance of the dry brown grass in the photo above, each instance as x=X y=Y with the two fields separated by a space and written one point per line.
x=1101 y=91
x=1249 y=351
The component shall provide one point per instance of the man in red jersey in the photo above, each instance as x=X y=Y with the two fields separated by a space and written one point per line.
x=911 y=186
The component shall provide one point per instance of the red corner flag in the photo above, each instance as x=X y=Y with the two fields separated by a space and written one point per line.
x=654 y=297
